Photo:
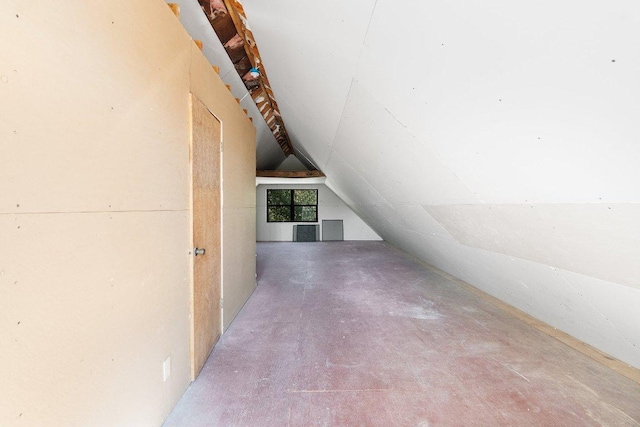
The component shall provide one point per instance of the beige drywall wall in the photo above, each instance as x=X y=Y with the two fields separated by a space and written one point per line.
x=238 y=189
x=95 y=209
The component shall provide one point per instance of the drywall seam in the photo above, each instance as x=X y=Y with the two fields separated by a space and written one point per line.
x=597 y=240
x=335 y=134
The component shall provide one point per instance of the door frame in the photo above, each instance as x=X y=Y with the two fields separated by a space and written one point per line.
x=202 y=340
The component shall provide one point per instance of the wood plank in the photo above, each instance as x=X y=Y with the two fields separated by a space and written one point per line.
x=206 y=287
x=290 y=174
x=237 y=15
x=175 y=8
x=199 y=44
x=224 y=27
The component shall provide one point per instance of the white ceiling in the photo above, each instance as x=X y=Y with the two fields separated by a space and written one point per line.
x=497 y=141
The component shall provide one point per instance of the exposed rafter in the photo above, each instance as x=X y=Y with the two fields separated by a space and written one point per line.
x=290 y=174
x=229 y=21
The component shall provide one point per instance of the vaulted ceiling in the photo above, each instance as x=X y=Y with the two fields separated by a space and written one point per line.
x=496 y=141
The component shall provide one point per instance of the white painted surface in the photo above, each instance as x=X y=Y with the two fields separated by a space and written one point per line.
x=329 y=207
x=456 y=116
x=292 y=163
x=311 y=48
x=597 y=240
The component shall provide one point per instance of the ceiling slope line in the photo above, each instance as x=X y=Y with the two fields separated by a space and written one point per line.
x=229 y=22
x=335 y=135
x=355 y=71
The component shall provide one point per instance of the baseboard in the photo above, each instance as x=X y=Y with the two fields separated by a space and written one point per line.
x=609 y=361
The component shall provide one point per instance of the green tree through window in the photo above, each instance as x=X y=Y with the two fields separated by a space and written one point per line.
x=292 y=205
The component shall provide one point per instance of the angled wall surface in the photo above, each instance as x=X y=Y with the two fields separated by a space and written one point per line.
x=95 y=210
x=496 y=142
x=292 y=163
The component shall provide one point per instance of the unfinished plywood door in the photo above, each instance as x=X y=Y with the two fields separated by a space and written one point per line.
x=205 y=305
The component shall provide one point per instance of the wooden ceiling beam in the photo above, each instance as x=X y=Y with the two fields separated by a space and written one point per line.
x=228 y=19
x=290 y=174
x=237 y=15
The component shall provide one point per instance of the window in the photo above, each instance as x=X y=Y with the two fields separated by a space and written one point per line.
x=292 y=205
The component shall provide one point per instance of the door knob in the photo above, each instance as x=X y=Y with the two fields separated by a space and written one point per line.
x=198 y=251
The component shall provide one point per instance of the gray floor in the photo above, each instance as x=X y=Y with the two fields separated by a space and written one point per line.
x=360 y=334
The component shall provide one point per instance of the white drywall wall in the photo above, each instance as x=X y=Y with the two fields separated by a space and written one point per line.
x=329 y=207
x=498 y=142
x=292 y=163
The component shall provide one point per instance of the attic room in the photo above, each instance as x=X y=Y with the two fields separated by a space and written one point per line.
x=468 y=171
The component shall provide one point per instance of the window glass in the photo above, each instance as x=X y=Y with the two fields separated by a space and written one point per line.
x=279 y=197
x=292 y=205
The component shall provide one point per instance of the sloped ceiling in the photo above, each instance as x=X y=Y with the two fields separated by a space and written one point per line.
x=496 y=141
x=268 y=153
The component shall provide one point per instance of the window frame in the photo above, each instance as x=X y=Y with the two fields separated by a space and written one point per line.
x=292 y=205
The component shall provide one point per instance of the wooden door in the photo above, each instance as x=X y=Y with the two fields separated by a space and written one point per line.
x=206 y=291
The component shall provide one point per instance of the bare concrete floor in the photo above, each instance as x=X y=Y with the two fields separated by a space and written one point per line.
x=359 y=334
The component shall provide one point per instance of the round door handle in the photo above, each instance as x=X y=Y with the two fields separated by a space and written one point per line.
x=199 y=251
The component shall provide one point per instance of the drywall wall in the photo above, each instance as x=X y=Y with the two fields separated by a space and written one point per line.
x=496 y=142
x=329 y=207
x=292 y=163
x=197 y=25
x=95 y=262
x=238 y=190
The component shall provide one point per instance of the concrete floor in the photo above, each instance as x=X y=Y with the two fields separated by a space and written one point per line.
x=360 y=334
